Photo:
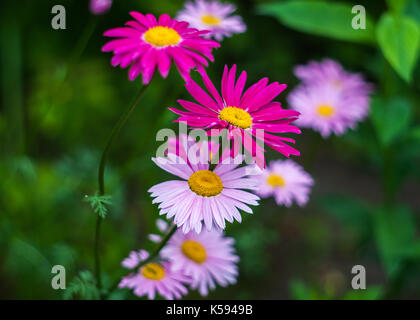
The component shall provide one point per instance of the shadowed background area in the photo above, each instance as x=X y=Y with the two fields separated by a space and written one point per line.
x=60 y=98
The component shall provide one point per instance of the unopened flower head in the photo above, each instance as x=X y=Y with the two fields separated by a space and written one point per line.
x=214 y=16
x=98 y=7
x=149 y=43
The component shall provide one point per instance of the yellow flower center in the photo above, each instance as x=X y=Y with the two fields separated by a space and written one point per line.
x=236 y=116
x=210 y=20
x=153 y=271
x=325 y=110
x=162 y=36
x=205 y=183
x=194 y=251
x=275 y=181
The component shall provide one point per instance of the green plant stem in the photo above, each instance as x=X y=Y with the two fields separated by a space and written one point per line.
x=161 y=244
x=115 y=131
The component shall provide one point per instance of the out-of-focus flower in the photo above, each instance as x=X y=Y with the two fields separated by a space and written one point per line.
x=331 y=72
x=214 y=16
x=153 y=278
x=246 y=115
x=287 y=182
x=148 y=43
x=329 y=99
x=99 y=6
x=204 y=195
x=208 y=258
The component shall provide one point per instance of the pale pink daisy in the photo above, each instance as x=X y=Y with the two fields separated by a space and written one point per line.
x=149 y=43
x=330 y=99
x=204 y=195
x=246 y=115
x=208 y=258
x=99 y=6
x=330 y=71
x=287 y=182
x=153 y=277
x=214 y=16
x=326 y=110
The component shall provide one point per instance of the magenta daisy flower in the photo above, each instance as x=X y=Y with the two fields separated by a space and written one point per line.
x=153 y=278
x=214 y=16
x=287 y=182
x=204 y=195
x=99 y=6
x=246 y=115
x=208 y=258
x=147 y=43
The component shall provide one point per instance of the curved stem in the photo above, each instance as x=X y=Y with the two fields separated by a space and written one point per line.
x=115 y=131
x=155 y=253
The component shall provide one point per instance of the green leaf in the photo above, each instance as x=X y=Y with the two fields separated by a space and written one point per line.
x=327 y=19
x=412 y=10
x=99 y=203
x=299 y=290
x=415 y=134
x=371 y=293
x=397 y=5
x=390 y=118
x=399 y=39
x=395 y=236
x=347 y=210
x=82 y=287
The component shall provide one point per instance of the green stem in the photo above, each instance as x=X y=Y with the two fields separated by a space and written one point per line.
x=115 y=131
x=155 y=253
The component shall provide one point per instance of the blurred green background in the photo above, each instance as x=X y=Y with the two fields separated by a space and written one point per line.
x=60 y=99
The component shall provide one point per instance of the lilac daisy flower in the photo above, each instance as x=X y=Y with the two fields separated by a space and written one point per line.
x=329 y=99
x=208 y=258
x=153 y=278
x=99 y=6
x=287 y=182
x=205 y=195
x=213 y=16
x=330 y=71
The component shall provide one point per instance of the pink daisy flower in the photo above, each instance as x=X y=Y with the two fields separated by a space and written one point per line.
x=208 y=258
x=326 y=110
x=329 y=99
x=153 y=278
x=214 y=16
x=204 y=195
x=246 y=115
x=287 y=182
x=148 y=43
x=330 y=71
x=99 y=6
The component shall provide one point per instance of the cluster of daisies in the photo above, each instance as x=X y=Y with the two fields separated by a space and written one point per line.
x=207 y=194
